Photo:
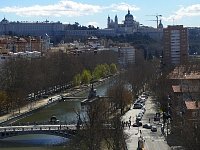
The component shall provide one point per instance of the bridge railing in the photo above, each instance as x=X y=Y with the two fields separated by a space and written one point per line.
x=37 y=128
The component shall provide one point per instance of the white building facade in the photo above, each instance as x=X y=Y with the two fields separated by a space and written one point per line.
x=31 y=28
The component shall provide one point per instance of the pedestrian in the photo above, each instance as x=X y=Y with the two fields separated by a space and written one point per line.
x=126 y=123
x=162 y=129
x=129 y=125
x=149 y=120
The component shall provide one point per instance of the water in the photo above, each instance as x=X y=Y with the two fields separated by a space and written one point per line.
x=64 y=111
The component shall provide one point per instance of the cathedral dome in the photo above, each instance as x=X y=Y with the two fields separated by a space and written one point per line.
x=129 y=15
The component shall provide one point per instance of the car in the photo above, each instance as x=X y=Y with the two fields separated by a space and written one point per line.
x=154 y=129
x=140 y=101
x=45 y=96
x=143 y=109
x=137 y=124
x=137 y=105
x=144 y=96
x=140 y=114
x=147 y=126
x=139 y=118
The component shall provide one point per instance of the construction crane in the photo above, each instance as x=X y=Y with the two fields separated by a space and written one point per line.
x=157 y=18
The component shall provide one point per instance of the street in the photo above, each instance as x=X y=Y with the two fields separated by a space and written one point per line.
x=153 y=140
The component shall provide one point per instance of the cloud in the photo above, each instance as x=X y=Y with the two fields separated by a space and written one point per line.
x=190 y=11
x=123 y=7
x=62 y=8
x=67 y=8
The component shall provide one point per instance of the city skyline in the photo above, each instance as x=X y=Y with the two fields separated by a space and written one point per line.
x=95 y=13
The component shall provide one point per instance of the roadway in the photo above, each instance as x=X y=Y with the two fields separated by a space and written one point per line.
x=153 y=140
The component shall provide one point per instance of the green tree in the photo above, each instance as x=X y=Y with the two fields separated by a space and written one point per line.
x=86 y=77
x=113 y=68
x=107 y=69
x=96 y=74
x=77 y=80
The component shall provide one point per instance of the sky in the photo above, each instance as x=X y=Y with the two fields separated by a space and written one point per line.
x=95 y=12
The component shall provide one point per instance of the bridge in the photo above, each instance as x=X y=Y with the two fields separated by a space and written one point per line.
x=66 y=131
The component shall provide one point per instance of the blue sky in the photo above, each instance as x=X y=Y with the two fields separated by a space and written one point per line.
x=185 y=12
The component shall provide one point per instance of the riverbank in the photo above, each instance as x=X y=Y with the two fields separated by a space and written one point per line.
x=42 y=103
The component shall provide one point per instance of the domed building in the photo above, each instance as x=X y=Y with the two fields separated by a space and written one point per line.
x=129 y=20
x=129 y=24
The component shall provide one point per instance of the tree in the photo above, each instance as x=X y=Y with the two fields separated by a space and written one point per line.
x=77 y=80
x=93 y=126
x=121 y=96
x=113 y=68
x=86 y=77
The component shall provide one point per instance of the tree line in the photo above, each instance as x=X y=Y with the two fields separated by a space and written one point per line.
x=20 y=77
x=100 y=71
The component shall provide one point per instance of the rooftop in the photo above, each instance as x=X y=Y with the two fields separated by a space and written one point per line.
x=186 y=72
x=185 y=89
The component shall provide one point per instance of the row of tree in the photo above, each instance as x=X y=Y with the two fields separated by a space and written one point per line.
x=20 y=77
x=100 y=71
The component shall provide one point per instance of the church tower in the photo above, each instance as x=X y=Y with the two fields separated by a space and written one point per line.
x=116 y=22
x=108 y=22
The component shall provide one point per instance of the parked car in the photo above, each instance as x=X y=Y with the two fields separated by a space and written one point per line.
x=140 y=114
x=137 y=124
x=140 y=101
x=143 y=109
x=139 y=117
x=147 y=126
x=154 y=129
x=138 y=106
x=45 y=96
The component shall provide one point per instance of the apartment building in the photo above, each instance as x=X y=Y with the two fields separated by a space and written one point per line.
x=175 y=40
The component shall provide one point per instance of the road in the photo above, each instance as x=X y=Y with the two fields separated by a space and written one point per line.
x=153 y=140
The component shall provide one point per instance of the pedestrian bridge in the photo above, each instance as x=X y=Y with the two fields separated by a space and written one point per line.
x=66 y=131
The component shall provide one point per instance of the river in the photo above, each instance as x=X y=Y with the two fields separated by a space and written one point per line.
x=64 y=111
